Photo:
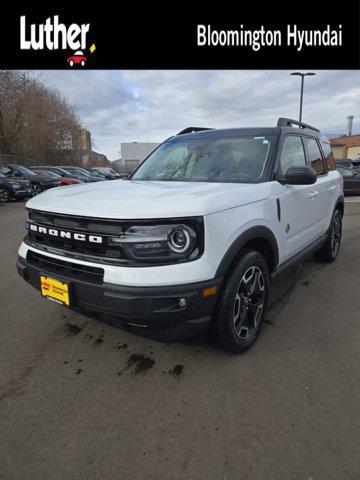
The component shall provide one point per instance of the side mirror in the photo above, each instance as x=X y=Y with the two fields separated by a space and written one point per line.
x=300 y=176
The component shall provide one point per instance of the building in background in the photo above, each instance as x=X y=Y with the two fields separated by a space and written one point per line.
x=132 y=154
x=346 y=147
x=85 y=140
x=91 y=158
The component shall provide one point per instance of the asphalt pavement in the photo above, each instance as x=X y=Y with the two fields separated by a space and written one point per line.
x=82 y=400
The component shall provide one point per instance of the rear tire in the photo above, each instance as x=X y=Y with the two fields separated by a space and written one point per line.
x=241 y=307
x=5 y=195
x=329 y=251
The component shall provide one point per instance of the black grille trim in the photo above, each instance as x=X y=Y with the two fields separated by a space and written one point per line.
x=74 y=271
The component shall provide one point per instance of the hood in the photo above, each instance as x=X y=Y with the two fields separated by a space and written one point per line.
x=126 y=199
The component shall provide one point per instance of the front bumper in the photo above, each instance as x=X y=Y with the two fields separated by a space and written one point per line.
x=154 y=312
x=22 y=193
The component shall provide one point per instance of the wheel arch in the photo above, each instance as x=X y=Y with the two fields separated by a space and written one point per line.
x=340 y=204
x=259 y=238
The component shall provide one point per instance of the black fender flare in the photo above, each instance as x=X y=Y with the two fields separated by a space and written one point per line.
x=253 y=233
x=340 y=202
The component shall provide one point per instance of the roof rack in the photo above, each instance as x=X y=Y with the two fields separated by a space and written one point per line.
x=193 y=129
x=288 y=122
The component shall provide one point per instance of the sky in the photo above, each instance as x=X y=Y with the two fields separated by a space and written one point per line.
x=149 y=106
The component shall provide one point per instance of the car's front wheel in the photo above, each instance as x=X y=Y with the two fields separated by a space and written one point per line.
x=37 y=188
x=71 y=63
x=241 y=306
x=4 y=195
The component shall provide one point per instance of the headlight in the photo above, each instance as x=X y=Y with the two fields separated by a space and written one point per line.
x=162 y=243
x=179 y=240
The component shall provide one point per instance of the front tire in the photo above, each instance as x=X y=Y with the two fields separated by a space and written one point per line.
x=37 y=189
x=330 y=248
x=4 y=195
x=241 y=307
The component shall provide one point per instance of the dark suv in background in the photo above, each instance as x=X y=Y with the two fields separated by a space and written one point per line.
x=12 y=188
x=38 y=181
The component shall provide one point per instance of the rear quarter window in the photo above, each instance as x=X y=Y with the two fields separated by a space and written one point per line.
x=329 y=156
x=315 y=156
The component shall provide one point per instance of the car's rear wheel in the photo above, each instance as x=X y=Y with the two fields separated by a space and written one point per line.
x=241 y=306
x=5 y=195
x=71 y=63
x=330 y=248
x=83 y=63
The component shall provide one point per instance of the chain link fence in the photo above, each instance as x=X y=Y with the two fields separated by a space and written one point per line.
x=25 y=161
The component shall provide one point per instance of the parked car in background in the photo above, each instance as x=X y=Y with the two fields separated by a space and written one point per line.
x=38 y=181
x=14 y=188
x=77 y=173
x=63 y=180
x=82 y=172
x=95 y=173
x=107 y=172
x=351 y=179
x=347 y=163
x=58 y=170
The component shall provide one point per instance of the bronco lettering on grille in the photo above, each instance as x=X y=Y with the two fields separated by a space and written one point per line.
x=82 y=237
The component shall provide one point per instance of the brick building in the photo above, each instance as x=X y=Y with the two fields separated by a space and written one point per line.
x=346 y=147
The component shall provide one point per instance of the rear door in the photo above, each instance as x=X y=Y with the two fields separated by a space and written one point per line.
x=297 y=204
x=324 y=188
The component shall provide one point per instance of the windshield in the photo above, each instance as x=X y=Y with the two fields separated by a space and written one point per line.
x=78 y=171
x=24 y=171
x=6 y=171
x=47 y=173
x=212 y=159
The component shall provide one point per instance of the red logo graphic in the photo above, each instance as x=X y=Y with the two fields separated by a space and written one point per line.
x=77 y=59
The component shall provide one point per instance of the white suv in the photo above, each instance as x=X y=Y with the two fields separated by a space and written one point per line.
x=194 y=238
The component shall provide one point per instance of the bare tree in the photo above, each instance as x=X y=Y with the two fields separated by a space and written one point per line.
x=36 y=121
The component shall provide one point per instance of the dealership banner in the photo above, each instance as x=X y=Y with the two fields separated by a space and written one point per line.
x=182 y=36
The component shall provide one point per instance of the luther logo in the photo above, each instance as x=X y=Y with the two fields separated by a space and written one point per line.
x=54 y=35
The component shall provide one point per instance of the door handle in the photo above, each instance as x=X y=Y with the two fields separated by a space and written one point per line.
x=333 y=187
x=313 y=194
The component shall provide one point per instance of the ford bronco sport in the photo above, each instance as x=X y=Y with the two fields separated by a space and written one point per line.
x=193 y=239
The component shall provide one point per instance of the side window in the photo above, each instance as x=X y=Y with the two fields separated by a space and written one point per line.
x=329 y=157
x=315 y=156
x=292 y=154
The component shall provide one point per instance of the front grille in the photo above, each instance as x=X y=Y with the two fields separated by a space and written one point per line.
x=74 y=271
x=109 y=227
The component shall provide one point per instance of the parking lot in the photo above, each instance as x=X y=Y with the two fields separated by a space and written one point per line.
x=82 y=400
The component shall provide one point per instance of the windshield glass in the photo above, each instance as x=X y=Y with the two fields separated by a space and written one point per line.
x=78 y=171
x=24 y=171
x=6 y=171
x=212 y=159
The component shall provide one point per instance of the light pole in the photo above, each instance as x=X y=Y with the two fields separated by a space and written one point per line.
x=302 y=75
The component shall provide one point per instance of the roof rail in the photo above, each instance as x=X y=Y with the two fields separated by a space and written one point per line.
x=288 y=122
x=193 y=129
